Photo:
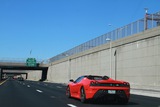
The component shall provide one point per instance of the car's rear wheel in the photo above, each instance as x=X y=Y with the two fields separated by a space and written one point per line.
x=68 y=93
x=83 y=95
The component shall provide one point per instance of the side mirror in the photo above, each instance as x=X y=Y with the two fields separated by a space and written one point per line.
x=71 y=80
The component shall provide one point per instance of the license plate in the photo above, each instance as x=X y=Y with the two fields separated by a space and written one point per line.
x=111 y=91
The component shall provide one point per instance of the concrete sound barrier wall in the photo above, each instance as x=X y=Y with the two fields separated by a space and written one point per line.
x=34 y=75
x=135 y=59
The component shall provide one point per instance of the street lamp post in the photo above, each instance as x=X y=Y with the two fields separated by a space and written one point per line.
x=115 y=54
x=110 y=43
x=69 y=66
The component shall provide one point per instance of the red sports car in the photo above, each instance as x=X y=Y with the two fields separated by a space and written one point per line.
x=98 y=87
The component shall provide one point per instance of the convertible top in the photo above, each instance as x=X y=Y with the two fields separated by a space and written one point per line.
x=95 y=77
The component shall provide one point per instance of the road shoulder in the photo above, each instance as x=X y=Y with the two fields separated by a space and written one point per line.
x=143 y=92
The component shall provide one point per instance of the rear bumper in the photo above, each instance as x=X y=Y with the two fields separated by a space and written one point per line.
x=102 y=92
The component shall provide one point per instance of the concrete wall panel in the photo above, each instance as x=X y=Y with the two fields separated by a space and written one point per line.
x=34 y=75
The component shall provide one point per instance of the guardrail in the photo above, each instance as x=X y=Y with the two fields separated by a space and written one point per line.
x=148 y=22
x=22 y=60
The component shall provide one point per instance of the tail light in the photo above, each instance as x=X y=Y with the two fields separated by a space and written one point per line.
x=126 y=84
x=94 y=83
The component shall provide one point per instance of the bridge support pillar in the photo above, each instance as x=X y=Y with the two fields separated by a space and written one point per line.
x=44 y=75
x=26 y=75
x=1 y=74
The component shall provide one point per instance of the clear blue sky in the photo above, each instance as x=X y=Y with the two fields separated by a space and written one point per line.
x=50 y=27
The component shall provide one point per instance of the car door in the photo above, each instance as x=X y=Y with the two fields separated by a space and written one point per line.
x=77 y=85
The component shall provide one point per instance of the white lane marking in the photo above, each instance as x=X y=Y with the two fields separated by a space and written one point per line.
x=28 y=85
x=3 y=82
x=71 y=105
x=59 y=87
x=45 y=84
x=39 y=91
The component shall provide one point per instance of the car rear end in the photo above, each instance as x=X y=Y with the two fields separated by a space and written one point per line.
x=109 y=90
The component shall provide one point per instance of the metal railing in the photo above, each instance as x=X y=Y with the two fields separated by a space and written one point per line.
x=20 y=60
x=148 y=22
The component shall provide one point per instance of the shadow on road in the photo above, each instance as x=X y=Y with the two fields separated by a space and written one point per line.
x=93 y=102
x=111 y=103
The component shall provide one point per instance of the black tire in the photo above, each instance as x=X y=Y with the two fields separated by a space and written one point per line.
x=68 y=93
x=83 y=95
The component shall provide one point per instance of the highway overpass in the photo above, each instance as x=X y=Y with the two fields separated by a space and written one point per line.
x=22 y=68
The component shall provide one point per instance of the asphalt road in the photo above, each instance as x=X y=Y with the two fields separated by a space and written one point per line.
x=38 y=94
